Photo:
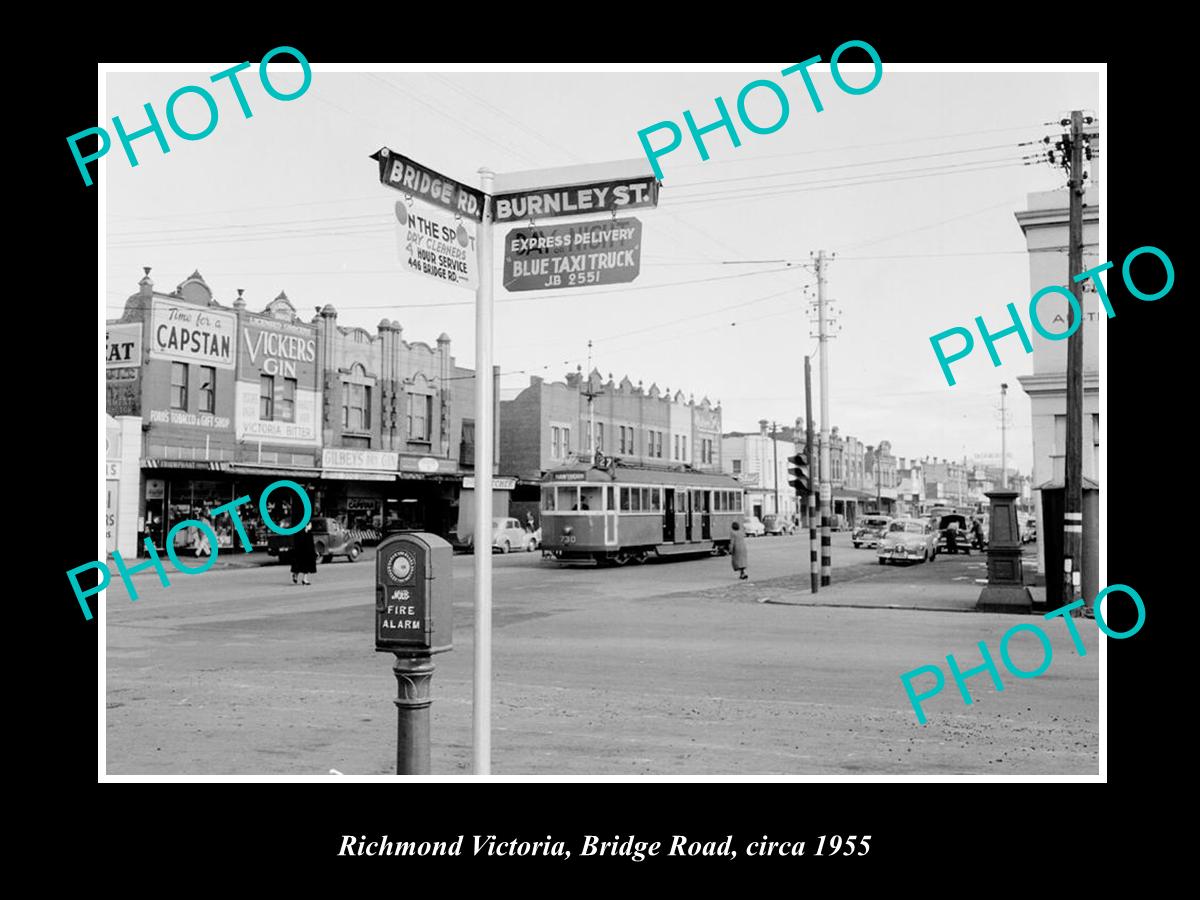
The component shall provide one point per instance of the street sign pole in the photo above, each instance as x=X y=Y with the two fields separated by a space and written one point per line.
x=481 y=722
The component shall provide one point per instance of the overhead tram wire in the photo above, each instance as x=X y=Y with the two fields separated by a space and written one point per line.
x=842 y=181
x=935 y=137
x=820 y=186
x=574 y=296
x=854 y=165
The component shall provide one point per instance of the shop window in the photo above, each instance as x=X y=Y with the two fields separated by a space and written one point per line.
x=179 y=385
x=266 y=398
x=208 y=389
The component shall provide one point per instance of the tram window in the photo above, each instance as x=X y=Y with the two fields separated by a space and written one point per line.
x=548 y=499
x=591 y=497
x=568 y=497
x=720 y=501
x=635 y=499
x=625 y=499
x=656 y=499
x=612 y=498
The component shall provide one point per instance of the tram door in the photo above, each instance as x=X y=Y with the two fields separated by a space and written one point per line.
x=705 y=517
x=610 y=515
x=669 y=515
x=688 y=518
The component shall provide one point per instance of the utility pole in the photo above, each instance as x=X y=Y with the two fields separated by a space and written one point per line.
x=1003 y=438
x=481 y=715
x=810 y=500
x=826 y=486
x=592 y=448
x=1073 y=509
x=775 y=477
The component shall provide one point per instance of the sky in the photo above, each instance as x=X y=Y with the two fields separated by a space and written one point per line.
x=913 y=186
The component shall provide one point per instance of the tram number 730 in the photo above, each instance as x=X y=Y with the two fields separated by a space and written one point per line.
x=567 y=539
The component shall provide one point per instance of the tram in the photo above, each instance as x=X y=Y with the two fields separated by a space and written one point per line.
x=617 y=513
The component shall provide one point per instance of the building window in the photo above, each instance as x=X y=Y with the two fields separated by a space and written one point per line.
x=266 y=398
x=420 y=414
x=1095 y=429
x=706 y=451
x=683 y=447
x=566 y=441
x=208 y=389
x=658 y=451
x=737 y=467
x=179 y=385
x=287 y=404
x=555 y=442
x=600 y=436
x=356 y=406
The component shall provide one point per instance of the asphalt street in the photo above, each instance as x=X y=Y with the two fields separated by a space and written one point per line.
x=671 y=668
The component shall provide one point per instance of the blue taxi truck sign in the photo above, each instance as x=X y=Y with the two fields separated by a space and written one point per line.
x=414 y=594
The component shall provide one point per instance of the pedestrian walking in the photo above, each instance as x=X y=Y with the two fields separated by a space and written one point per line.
x=977 y=534
x=952 y=537
x=737 y=541
x=304 y=555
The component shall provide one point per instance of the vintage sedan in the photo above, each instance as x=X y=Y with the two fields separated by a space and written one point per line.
x=508 y=535
x=962 y=539
x=908 y=540
x=775 y=524
x=330 y=538
x=752 y=526
x=870 y=531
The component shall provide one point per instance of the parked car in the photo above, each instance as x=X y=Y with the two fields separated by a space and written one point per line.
x=509 y=535
x=942 y=525
x=773 y=524
x=870 y=531
x=908 y=540
x=330 y=538
x=753 y=526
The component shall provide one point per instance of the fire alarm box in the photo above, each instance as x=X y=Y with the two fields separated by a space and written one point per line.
x=414 y=594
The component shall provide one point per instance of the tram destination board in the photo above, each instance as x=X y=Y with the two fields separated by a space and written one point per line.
x=583 y=254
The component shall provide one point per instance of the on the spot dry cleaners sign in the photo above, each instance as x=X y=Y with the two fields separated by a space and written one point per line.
x=437 y=245
x=608 y=251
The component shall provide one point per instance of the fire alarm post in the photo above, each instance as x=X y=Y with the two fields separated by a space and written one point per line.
x=413 y=620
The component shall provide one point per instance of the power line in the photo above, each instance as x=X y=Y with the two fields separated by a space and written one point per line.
x=872 y=145
x=873 y=162
x=843 y=181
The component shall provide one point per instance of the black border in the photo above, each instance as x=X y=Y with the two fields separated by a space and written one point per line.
x=297 y=832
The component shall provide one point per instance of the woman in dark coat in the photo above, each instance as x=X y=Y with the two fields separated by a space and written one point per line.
x=737 y=543
x=304 y=555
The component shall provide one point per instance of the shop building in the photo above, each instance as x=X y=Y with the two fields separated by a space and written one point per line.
x=229 y=400
x=398 y=430
x=759 y=461
x=551 y=424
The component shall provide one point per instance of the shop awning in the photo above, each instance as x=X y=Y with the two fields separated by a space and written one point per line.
x=357 y=475
x=242 y=468
x=1058 y=485
x=208 y=465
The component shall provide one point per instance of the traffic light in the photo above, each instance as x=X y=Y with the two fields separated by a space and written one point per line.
x=798 y=470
